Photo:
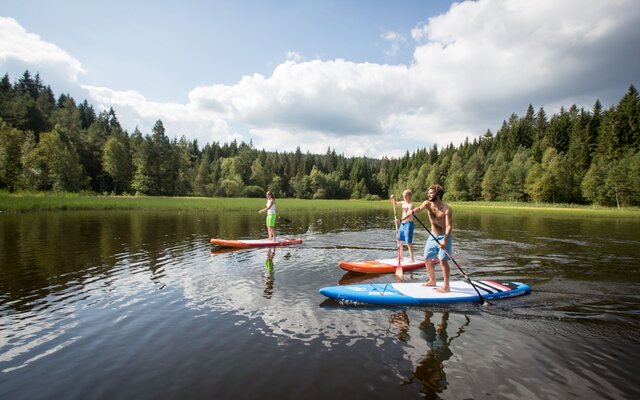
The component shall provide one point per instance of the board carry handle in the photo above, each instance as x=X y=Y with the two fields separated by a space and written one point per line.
x=464 y=275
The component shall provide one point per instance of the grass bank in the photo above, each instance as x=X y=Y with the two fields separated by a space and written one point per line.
x=548 y=209
x=33 y=202
x=30 y=202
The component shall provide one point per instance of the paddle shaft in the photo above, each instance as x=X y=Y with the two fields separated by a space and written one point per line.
x=395 y=221
x=464 y=275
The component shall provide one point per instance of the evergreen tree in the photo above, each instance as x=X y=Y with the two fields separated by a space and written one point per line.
x=203 y=185
x=538 y=145
x=591 y=140
x=456 y=184
x=557 y=133
x=513 y=186
x=11 y=142
x=87 y=115
x=161 y=165
x=493 y=178
x=609 y=139
x=117 y=164
x=593 y=183
x=258 y=176
x=474 y=169
x=182 y=165
x=627 y=114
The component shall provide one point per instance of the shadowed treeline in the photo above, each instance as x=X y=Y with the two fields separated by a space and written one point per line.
x=574 y=156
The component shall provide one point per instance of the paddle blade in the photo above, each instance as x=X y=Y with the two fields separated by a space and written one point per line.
x=399 y=271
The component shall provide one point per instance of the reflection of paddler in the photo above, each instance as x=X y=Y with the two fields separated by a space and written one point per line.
x=270 y=269
x=401 y=320
x=430 y=370
x=268 y=264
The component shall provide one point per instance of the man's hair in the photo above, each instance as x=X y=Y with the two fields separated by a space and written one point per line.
x=438 y=189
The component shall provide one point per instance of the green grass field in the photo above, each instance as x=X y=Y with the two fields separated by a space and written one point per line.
x=32 y=202
x=28 y=202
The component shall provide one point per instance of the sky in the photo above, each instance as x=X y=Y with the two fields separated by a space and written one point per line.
x=364 y=77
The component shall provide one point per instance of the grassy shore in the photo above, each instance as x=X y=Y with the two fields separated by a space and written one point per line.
x=29 y=202
x=32 y=202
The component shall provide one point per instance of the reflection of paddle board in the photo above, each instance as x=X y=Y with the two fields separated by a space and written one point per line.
x=350 y=278
x=255 y=242
x=416 y=294
x=381 y=266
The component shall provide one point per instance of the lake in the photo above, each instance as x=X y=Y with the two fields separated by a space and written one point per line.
x=131 y=304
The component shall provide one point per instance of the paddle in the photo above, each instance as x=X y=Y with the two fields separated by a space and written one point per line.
x=395 y=220
x=464 y=275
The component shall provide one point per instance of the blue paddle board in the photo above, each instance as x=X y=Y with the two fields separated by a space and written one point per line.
x=416 y=294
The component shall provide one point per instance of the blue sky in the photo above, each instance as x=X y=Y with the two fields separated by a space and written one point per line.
x=369 y=78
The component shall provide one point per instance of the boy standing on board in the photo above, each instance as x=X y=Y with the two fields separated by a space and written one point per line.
x=271 y=215
x=441 y=217
x=405 y=232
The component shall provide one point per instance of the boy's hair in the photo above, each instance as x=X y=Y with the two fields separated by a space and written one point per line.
x=438 y=189
x=407 y=192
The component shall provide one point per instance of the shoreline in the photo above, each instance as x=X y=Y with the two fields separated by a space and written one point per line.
x=37 y=202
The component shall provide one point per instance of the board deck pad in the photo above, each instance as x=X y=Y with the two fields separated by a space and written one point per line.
x=410 y=293
x=254 y=242
x=382 y=266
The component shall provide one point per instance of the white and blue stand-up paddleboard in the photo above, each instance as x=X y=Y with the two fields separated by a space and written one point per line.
x=417 y=294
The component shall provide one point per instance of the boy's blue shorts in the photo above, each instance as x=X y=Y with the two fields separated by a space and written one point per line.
x=405 y=232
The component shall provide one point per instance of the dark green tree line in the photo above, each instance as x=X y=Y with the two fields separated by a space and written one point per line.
x=575 y=156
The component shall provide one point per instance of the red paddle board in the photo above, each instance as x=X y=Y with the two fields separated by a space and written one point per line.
x=382 y=266
x=255 y=242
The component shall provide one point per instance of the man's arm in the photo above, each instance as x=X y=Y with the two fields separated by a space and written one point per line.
x=417 y=209
x=448 y=227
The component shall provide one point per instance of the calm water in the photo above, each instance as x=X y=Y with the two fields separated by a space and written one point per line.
x=106 y=305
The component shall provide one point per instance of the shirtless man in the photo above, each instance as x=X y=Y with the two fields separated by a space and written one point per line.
x=441 y=216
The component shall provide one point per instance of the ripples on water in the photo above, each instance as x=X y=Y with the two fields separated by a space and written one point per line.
x=142 y=306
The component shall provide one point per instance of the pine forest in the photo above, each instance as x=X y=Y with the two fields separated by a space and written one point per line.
x=577 y=155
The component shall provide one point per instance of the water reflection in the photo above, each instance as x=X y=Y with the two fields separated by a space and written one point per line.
x=351 y=278
x=401 y=321
x=269 y=279
x=95 y=291
x=430 y=371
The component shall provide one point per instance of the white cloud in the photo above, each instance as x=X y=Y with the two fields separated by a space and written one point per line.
x=473 y=66
x=502 y=55
x=21 y=49
x=396 y=40
x=294 y=56
x=191 y=120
